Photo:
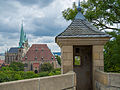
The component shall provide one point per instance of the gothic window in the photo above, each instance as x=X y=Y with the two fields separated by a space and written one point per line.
x=19 y=50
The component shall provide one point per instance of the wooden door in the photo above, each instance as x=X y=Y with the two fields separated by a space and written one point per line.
x=82 y=62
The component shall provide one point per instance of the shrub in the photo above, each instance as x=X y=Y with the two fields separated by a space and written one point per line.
x=42 y=74
x=17 y=66
x=46 y=67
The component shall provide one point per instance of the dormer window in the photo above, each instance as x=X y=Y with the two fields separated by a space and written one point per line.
x=36 y=58
x=25 y=57
x=42 y=49
x=42 y=58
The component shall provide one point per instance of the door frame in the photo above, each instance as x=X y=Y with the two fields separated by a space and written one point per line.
x=91 y=47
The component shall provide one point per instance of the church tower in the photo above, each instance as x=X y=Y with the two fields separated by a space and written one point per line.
x=23 y=44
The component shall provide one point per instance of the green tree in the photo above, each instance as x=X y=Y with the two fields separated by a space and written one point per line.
x=6 y=68
x=17 y=66
x=58 y=60
x=112 y=53
x=46 y=67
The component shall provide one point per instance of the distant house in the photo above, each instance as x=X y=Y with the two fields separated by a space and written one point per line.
x=37 y=55
x=1 y=62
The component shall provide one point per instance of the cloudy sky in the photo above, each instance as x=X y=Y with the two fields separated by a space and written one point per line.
x=42 y=21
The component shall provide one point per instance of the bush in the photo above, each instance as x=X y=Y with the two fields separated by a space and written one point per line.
x=46 y=67
x=29 y=74
x=42 y=74
x=17 y=66
x=3 y=77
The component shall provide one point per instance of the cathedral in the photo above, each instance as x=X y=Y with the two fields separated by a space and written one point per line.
x=32 y=57
x=15 y=54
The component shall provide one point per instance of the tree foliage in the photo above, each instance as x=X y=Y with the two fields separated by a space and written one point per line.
x=46 y=67
x=112 y=53
x=17 y=66
x=58 y=60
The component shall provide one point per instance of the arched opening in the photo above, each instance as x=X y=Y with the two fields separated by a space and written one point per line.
x=36 y=71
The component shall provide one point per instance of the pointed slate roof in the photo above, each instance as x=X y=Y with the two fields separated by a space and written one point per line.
x=22 y=37
x=13 y=50
x=81 y=27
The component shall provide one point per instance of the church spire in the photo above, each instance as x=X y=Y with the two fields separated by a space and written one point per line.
x=21 y=36
x=79 y=14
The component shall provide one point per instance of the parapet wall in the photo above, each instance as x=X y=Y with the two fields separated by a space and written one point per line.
x=107 y=81
x=58 y=82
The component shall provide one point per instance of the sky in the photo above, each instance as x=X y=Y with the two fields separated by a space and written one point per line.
x=42 y=21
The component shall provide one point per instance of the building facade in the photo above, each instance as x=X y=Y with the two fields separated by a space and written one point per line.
x=36 y=56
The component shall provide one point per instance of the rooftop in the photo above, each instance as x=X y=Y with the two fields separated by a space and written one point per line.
x=81 y=27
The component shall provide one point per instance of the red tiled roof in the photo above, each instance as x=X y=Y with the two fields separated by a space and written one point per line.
x=36 y=65
x=39 y=51
x=2 y=61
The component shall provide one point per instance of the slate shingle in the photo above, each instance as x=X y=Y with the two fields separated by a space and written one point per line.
x=82 y=28
x=13 y=50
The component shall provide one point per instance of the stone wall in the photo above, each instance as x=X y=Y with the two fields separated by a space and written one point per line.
x=107 y=81
x=58 y=82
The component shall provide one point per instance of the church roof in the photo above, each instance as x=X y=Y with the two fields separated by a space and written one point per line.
x=13 y=50
x=81 y=27
x=39 y=52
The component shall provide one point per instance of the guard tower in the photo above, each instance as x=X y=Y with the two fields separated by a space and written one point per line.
x=82 y=50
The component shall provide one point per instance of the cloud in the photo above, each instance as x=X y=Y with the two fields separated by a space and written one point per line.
x=42 y=21
x=40 y=3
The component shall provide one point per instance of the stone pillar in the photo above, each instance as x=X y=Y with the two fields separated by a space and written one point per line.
x=66 y=59
x=98 y=60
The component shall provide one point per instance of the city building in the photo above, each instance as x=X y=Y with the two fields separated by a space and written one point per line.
x=37 y=55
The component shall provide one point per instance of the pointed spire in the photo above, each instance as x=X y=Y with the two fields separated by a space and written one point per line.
x=79 y=8
x=21 y=36
x=25 y=38
x=79 y=14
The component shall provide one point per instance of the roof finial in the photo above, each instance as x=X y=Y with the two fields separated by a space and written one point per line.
x=79 y=8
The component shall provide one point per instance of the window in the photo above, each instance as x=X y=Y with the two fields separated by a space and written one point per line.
x=36 y=49
x=26 y=58
x=36 y=58
x=42 y=49
x=77 y=60
x=42 y=58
